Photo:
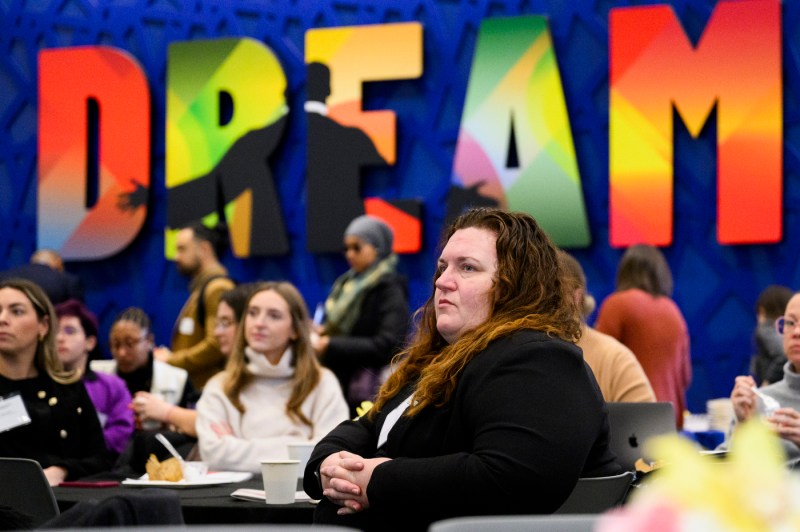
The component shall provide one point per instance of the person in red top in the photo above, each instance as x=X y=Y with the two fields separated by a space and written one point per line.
x=642 y=315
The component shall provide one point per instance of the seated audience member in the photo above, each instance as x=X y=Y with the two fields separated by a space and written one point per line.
x=131 y=342
x=46 y=268
x=366 y=313
x=642 y=315
x=766 y=366
x=229 y=312
x=197 y=256
x=619 y=374
x=272 y=392
x=62 y=431
x=785 y=419
x=75 y=342
x=492 y=409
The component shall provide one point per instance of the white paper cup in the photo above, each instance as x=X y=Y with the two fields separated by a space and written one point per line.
x=193 y=471
x=300 y=452
x=280 y=480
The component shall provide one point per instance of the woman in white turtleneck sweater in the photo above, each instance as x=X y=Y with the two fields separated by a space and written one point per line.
x=273 y=391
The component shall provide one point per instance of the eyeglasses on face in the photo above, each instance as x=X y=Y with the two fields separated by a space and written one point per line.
x=784 y=324
x=223 y=323
x=69 y=330
x=355 y=248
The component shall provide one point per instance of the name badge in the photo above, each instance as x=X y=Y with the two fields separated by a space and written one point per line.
x=186 y=326
x=13 y=413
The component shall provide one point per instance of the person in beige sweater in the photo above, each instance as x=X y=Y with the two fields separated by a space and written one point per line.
x=618 y=372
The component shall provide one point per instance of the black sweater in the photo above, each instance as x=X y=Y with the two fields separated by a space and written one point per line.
x=525 y=421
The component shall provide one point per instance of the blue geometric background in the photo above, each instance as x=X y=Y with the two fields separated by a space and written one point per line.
x=716 y=286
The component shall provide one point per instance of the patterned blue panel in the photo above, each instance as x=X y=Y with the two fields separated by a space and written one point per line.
x=715 y=285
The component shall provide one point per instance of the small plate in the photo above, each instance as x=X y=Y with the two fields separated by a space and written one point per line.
x=214 y=478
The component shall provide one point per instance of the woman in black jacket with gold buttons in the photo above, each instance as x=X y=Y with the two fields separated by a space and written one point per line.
x=45 y=413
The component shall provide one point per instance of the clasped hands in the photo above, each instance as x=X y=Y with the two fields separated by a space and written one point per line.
x=344 y=477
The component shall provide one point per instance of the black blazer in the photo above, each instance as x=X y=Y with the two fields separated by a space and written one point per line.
x=64 y=430
x=525 y=421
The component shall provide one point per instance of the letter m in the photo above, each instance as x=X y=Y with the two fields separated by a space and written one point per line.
x=736 y=66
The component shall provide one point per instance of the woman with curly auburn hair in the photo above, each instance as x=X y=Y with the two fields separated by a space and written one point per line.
x=492 y=409
x=273 y=391
x=62 y=431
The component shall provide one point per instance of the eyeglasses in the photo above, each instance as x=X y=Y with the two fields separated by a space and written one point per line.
x=127 y=343
x=355 y=248
x=69 y=330
x=784 y=324
x=224 y=323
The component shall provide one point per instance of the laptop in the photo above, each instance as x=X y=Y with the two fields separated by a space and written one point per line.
x=632 y=424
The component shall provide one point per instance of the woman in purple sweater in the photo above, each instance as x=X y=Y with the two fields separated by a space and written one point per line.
x=75 y=341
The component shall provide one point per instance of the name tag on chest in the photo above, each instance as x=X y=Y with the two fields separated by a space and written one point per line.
x=186 y=326
x=13 y=413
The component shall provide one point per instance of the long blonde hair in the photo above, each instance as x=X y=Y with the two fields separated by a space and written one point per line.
x=307 y=369
x=528 y=293
x=46 y=358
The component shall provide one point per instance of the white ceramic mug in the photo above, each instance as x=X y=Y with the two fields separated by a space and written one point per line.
x=280 y=480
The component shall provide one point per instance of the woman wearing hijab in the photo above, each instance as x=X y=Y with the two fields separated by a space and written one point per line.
x=366 y=313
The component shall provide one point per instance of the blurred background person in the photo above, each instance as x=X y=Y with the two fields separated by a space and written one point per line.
x=273 y=391
x=62 y=432
x=46 y=269
x=76 y=343
x=785 y=415
x=229 y=313
x=194 y=347
x=492 y=409
x=642 y=315
x=619 y=374
x=767 y=363
x=366 y=312
x=131 y=341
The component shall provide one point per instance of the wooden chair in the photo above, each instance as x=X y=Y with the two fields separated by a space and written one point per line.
x=24 y=489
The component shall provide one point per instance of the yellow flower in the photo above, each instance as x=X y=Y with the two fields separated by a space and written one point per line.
x=750 y=490
x=365 y=407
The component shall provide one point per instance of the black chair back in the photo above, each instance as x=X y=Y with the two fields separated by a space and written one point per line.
x=24 y=490
x=596 y=495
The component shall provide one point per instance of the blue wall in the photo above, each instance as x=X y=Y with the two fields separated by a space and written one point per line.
x=716 y=286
